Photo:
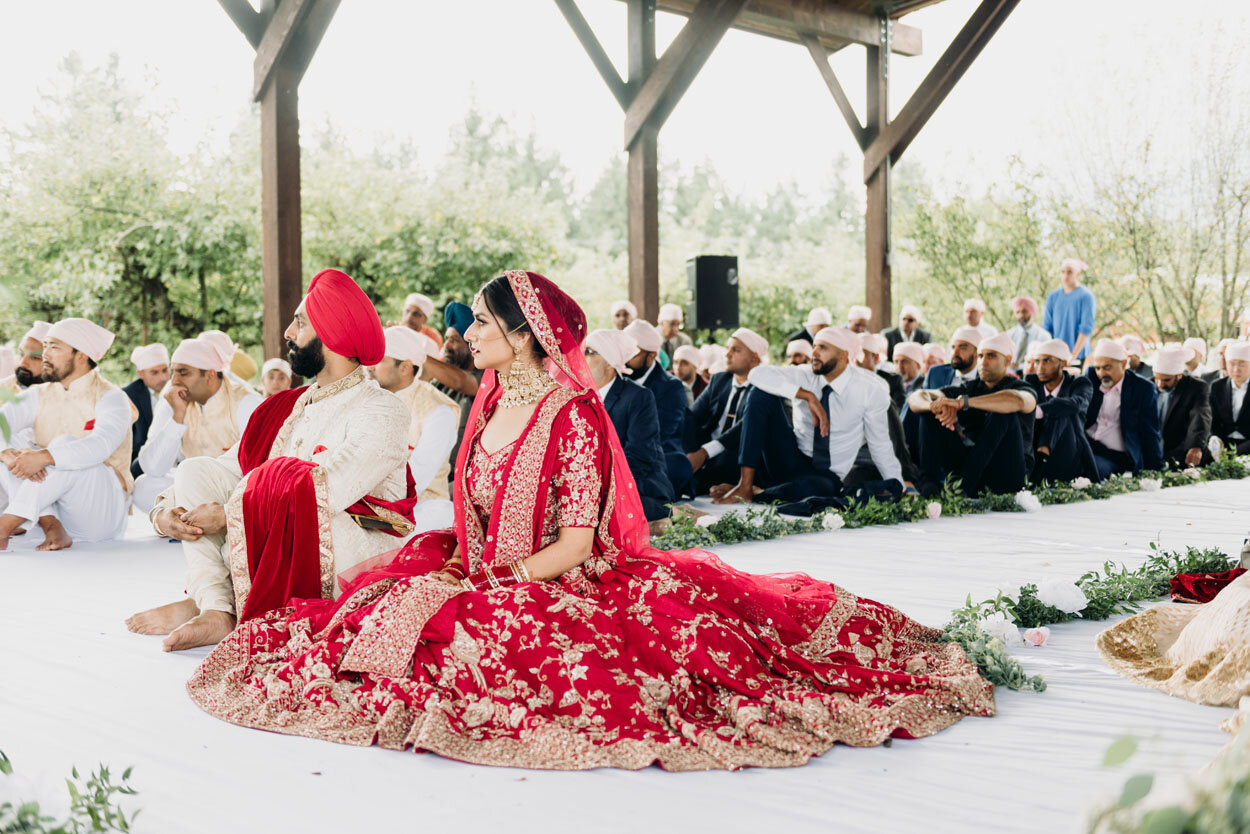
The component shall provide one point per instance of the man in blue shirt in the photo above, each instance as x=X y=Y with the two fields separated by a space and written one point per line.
x=1070 y=310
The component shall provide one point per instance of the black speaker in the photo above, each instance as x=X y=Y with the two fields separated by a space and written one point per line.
x=713 y=283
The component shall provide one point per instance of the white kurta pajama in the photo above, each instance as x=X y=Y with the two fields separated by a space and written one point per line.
x=355 y=432
x=86 y=427
x=206 y=430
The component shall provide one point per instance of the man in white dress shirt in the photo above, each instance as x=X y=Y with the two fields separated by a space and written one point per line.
x=202 y=413
x=1027 y=331
x=974 y=317
x=432 y=430
x=76 y=481
x=837 y=408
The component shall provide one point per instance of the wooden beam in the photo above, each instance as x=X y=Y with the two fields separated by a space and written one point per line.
x=250 y=22
x=833 y=27
x=281 y=264
x=308 y=37
x=607 y=71
x=677 y=68
x=955 y=61
x=821 y=56
x=642 y=172
x=278 y=38
x=878 y=272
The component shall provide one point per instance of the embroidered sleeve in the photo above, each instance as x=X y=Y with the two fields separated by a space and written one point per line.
x=576 y=482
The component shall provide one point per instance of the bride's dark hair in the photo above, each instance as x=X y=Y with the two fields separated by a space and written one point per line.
x=498 y=297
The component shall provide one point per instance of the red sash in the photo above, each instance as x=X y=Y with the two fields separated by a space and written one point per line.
x=280 y=519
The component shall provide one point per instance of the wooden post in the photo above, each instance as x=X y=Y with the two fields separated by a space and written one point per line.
x=643 y=172
x=877 y=216
x=281 y=254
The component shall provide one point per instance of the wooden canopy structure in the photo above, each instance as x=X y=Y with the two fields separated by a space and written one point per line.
x=286 y=33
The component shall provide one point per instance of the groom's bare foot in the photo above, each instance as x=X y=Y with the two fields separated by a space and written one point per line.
x=205 y=629
x=54 y=535
x=738 y=495
x=163 y=619
x=9 y=525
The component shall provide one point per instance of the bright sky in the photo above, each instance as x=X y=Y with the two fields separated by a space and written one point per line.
x=759 y=111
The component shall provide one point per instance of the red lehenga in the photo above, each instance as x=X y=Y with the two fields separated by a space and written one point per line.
x=637 y=657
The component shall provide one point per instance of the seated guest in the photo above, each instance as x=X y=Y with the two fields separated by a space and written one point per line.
x=1061 y=449
x=240 y=367
x=275 y=376
x=633 y=414
x=1123 y=418
x=799 y=352
x=908 y=330
x=29 y=368
x=152 y=367
x=1027 y=330
x=432 y=431
x=934 y=354
x=909 y=360
x=962 y=368
x=623 y=313
x=686 y=363
x=837 y=407
x=669 y=322
x=714 y=428
x=1196 y=365
x=1136 y=349
x=979 y=431
x=817 y=318
x=202 y=412
x=974 y=317
x=1230 y=419
x=857 y=318
x=670 y=401
x=1219 y=368
x=453 y=373
x=77 y=482
x=1030 y=360
x=714 y=361
x=418 y=309
x=1184 y=404
x=869 y=360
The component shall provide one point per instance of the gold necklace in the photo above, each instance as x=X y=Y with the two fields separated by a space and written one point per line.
x=524 y=384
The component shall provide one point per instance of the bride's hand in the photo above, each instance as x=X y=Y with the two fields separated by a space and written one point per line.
x=446 y=577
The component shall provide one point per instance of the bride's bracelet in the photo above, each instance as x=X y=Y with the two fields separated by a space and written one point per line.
x=455 y=568
x=499 y=576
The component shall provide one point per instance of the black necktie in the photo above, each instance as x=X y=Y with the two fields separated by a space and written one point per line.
x=820 y=445
x=731 y=416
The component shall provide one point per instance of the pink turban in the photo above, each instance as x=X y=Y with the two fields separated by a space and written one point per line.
x=967 y=334
x=149 y=356
x=799 y=346
x=405 y=343
x=615 y=346
x=645 y=334
x=1108 y=349
x=911 y=350
x=1133 y=345
x=841 y=338
x=755 y=343
x=1057 y=348
x=1001 y=343
x=1025 y=302
x=38 y=331
x=1171 y=360
x=82 y=335
x=874 y=343
x=690 y=353
x=203 y=352
x=343 y=316
x=1238 y=351
x=1197 y=345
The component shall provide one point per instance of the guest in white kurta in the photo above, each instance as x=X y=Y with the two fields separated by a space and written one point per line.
x=76 y=481
x=202 y=412
x=275 y=376
x=435 y=419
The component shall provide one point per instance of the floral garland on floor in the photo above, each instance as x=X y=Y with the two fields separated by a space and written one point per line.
x=759 y=522
x=92 y=806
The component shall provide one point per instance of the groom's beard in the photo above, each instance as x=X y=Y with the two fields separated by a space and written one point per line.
x=24 y=377
x=306 y=361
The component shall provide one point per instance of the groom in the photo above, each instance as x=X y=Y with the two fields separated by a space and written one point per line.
x=317 y=484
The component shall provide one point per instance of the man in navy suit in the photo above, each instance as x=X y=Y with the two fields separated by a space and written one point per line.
x=1230 y=417
x=670 y=401
x=1123 y=418
x=633 y=414
x=152 y=366
x=714 y=424
x=1061 y=450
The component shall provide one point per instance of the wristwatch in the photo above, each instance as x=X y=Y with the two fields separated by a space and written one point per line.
x=964 y=406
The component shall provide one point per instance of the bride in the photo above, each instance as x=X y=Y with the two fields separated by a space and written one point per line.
x=545 y=632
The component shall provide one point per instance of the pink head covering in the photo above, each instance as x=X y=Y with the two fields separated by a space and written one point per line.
x=801 y=346
x=276 y=364
x=755 y=343
x=874 y=343
x=615 y=346
x=149 y=356
x=935 y=350
x=645 y=334
x=617 y=306
x=857 y=312
x=82 y=335
x=1133 y=345
x=713 y=358
x=967 y=334
x=1238 y=351
x=1025 y=302
x=38 y=331
x=974 y=304
x=203 y=352
x=690 y=353
x=404 y=343
x=841 y=338
x=422 y=302
x=1108 y=349
x=343 y=316
x=1057 y=348
x=1197 y=345
x=1076 y=263
x=1171 y=360
x=911 y=350
x=1001 y=343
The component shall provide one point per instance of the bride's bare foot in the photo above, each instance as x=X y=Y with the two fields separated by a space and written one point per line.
x=205 y=629
x=163 y=619
x=54 y=535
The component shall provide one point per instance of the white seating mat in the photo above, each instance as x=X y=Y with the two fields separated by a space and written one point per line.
x=77 y=688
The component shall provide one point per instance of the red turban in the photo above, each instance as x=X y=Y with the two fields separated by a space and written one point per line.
x=343 y=316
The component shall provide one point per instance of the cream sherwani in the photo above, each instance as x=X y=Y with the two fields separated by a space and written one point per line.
x=435 y=419
x=86 y=427
x=355 y=432
x=205 y=430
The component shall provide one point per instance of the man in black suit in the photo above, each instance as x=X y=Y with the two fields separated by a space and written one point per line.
x=874 y=345
x=908 y=329
x=818 y=319
x=670 y=400
x=633 y=414
x=1136 y=349
x=1230 y=418
x=1061 y=450
x=1122 y=422
x=713 y=426
x=152 y=366
x=1184 y=404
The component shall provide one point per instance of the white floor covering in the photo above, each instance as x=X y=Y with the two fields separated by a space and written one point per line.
x=77 y=688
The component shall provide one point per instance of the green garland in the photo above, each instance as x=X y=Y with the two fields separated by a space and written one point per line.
x=93 y=805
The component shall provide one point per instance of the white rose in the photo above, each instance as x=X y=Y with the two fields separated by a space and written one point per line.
x=705 y=521
x=1028 y=501
x=1192 y=472
x=997 y=625
x=833 y=521
x=1081 y=482
x=1150 y=484
x=1009 y=591
x=1062 y=594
